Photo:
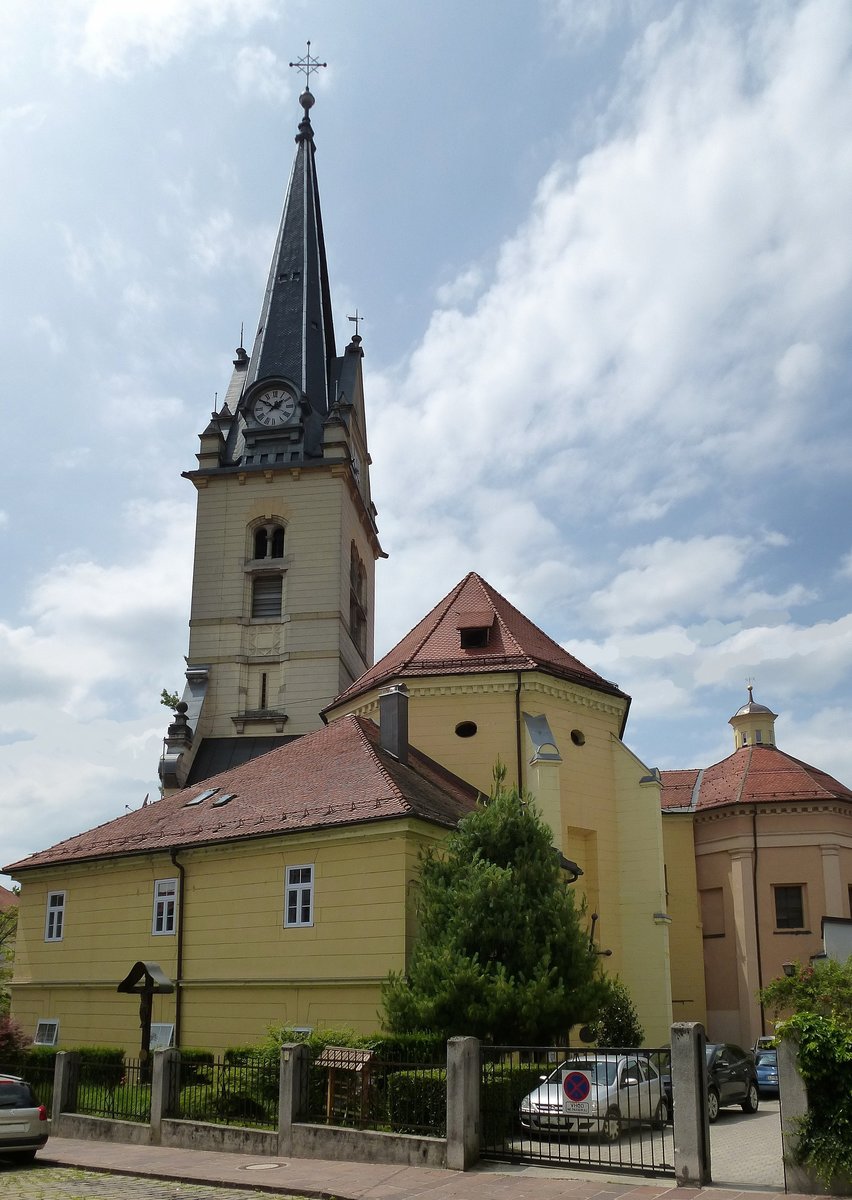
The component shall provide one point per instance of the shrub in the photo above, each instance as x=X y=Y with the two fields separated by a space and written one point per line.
x=825 y=1062
x=195 y=1065
x=417 y=1103
x=101 y=1066
x=13 y=1044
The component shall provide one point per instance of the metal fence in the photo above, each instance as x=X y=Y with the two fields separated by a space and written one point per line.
x=607 y=1109
x=110 y=1089
x=235 y=1090
x=381 y=1090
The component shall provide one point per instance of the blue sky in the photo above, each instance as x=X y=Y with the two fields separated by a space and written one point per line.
x=604 y=255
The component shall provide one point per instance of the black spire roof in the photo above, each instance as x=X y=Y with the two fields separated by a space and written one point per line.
x=295 y=337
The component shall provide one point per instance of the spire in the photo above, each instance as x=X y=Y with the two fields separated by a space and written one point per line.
x=295 y=337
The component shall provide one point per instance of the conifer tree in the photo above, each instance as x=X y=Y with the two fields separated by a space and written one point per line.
x=501 y=953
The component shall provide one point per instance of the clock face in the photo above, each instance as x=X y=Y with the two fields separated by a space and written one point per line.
x=273 y=407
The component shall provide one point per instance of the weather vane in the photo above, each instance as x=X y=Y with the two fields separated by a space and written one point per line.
x=306 y=64
x=356 y=320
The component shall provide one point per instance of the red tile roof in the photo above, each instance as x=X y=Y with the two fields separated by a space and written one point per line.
x=433 y=647
x=337 y=776
x=7 y=899
x=752 y=775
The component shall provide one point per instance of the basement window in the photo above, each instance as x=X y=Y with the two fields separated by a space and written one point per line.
x=162 y=1035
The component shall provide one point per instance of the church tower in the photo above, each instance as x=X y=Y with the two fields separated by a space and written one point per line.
x=286 y=540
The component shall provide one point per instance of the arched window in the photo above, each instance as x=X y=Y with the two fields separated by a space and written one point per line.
x=357 y=601
x=269 y=541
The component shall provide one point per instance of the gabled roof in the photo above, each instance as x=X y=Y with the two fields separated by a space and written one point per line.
x=337 y=776
x=751 y=775
x=434 y=646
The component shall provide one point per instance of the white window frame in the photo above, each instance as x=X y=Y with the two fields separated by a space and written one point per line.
x=48 y=1025
x=162 y=1035
x=165 y=907
x=299 y=890
x=54 y=917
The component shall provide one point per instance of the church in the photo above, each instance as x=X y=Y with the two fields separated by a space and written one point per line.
x=275 y=880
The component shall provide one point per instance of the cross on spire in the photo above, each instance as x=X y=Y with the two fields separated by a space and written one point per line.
x=306 y=64
x=356 y=320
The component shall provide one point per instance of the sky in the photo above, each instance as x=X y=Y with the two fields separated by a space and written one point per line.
x=603 y=251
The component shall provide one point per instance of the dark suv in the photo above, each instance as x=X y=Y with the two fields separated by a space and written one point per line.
x=731 y=1078
x=24 y=1126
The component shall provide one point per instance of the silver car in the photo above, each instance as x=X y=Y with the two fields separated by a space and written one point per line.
x=24 y=1125
x=597 y=1093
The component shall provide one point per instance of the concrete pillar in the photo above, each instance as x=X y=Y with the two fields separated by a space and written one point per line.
x=164 y=1078
x=463 y=1083
x=794 y=1106
x=292 y=1088
x=66 y=1072
x=689 y=1088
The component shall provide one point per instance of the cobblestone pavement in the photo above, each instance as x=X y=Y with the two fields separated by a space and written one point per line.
x=67 y=1183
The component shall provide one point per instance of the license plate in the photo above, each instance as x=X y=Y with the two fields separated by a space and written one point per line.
x=577 y=1106
x=17 y=1127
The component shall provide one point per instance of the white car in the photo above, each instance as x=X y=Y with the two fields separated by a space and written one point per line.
x=24 y=1125
x=597 y=1093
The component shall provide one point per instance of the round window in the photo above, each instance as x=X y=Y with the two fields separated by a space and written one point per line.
x=466 y=729
x=578 y=737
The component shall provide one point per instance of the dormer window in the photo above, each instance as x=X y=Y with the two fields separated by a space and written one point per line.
x=475 y=629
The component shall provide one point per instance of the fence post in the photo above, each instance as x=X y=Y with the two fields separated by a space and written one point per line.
x=66 y=1070
x=463 y=1087
x=292 y=1081
x=166 y=1067
x=689 y=1088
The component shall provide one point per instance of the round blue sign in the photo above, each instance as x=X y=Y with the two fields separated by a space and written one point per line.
x=576 y=1086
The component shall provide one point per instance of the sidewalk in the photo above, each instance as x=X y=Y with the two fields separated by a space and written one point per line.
x=366 y=1181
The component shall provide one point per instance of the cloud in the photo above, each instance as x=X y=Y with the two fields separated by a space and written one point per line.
x=259 y=73
x=4 y=518
x=42 y=331
x=109 y=39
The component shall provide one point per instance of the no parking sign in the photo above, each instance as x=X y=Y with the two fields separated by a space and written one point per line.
x=576 y=1085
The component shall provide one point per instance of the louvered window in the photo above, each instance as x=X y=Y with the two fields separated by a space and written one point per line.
x=266 y=597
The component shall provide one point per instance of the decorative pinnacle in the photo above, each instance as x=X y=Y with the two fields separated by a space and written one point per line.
x=306 y=64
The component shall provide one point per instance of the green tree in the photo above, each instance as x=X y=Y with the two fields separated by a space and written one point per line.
x=501 y=953
x=617 y=1022
x=823 y=988
x=169 y=699
x=8 y=929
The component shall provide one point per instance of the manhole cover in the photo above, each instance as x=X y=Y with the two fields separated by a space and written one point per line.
x=263 y=1166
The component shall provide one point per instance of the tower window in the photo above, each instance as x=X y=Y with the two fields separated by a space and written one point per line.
x=269 y=541
x=357 y=601
x=266 y=594
x=474 y=639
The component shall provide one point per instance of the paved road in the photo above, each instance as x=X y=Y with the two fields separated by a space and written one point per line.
x=38 y=1182
x=745 y=1148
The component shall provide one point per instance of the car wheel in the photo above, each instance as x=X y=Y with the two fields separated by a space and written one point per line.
x=752 y=1100
x=611 y=1127
x=712 y=1105
x=661 y=1115
x=25 y=1155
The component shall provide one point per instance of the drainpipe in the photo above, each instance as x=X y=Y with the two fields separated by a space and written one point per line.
x=518 y=733
x=179 y=957
x=757 y=913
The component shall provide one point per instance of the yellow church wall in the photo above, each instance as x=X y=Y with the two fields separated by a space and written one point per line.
x=242 y=968
x=686 y=948
x=604 y=819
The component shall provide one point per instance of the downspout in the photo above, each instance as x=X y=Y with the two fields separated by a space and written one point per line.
x=518 y=733
x=757 y=913
x=179 y=957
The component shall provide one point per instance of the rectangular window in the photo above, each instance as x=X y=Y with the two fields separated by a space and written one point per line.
x=54 y=923
x=299 y=898
x=165 y=906
x=162 y=1036
x=46 y=1034
x=266 y=596
x=789 y=906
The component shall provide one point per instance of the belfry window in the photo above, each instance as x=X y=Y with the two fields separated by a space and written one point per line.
x=357 y=601
x=269 y=541
x=266 y=596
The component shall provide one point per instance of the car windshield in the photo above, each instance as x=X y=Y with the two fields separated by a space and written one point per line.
x=599 y=1072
